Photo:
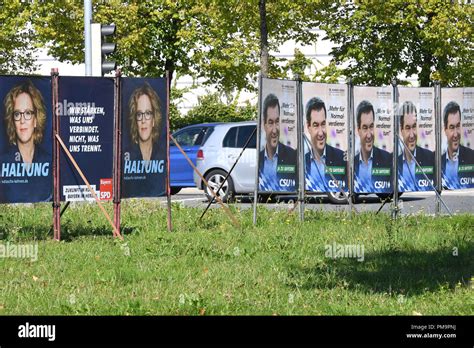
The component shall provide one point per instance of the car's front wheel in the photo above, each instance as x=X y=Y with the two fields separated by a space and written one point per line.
x=215 y=178
x=337 y=197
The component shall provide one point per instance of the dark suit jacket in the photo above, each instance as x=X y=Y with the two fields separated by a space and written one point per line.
x=466 y=156
x=334 y=158
x=286 y=156
x=425 y=158
x=381 y=159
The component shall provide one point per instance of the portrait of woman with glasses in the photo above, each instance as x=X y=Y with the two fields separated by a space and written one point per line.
x=145 y=155
x=25 y=160
x=145 y=123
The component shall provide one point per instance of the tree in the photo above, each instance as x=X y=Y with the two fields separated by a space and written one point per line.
x=215 y=40
x=377 y=41
x=17 y=52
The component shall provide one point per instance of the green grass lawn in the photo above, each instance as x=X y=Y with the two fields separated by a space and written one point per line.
x=278 y=267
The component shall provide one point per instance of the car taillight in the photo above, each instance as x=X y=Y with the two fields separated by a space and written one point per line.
x=200 y=154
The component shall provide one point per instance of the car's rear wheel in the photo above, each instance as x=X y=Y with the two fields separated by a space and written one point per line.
x=215 y=178
x=175 y=190
x=337 y=197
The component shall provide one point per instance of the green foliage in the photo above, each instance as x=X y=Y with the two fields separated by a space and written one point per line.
x=377 y=41
x=17 y=52
x=210 y=108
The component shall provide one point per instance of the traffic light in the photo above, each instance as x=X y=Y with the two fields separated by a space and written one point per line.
x=101 y=48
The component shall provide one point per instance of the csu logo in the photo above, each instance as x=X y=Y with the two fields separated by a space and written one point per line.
x=382 y=184
x=287 y=182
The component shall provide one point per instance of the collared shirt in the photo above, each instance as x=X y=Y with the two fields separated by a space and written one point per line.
x=365 y=171
x=270 y=169
x=408 y=177
x=316 y=178
x=452 y=166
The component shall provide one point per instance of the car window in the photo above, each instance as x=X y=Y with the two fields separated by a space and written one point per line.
x=230 y=138
x=190 y=137
x=207 y=134
x=243 y=135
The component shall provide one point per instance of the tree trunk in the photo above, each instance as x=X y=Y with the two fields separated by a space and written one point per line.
x=263 y=38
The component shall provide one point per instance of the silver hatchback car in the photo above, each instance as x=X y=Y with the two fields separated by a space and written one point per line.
x=216 y=157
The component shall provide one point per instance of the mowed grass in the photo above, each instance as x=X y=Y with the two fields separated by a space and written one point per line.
x=209 y=267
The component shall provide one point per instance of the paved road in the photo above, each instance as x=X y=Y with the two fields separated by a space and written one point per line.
x=410 y=203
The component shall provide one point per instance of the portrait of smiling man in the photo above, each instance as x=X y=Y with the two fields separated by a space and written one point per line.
x=408 y=172
x=371 y=164
x=322 y=157
x=458 y=160
x=276 y=161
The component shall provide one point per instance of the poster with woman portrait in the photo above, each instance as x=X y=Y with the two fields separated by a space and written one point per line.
x=25 y=139
x=457 y=138
x=86 y=122
x=325 y=117
x=144 y=137
x=417 y=139
x=373 y=130
x=278 y=158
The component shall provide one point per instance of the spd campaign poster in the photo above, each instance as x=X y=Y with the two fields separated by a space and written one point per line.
x=373 y=129
x=457 y=138
x=144 y=137
x=278 y=158
x=25 y=139
x=417 y=139
x=86 y=109
x=325 y=136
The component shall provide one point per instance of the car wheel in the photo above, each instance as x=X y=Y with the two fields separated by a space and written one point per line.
x=337 y=197
x=215 y=178
x=175 y=190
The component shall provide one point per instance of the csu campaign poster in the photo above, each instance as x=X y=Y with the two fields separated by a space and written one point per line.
x=278 y=159
x=25 y=139
x=417 y=139
x=86 y=109
x=457 y=137
x=325 y=136
x=373 y=126
x=144 y=137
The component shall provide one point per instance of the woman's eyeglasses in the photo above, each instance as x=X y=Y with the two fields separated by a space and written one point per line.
x=147 y=114
x=27 y=115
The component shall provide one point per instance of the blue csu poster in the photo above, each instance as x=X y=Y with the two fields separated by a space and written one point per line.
x=144 y=137
x=86 y=109
x=25 y=139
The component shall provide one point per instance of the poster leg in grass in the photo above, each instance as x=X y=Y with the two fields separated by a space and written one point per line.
x=117 y=170
x=395 y=208
x=259 y=106
x=438 y=128
x=56 y=187
x=115 y=230
x=168 y=184
x=299 y=116
x=226 y=209
x=230 y=171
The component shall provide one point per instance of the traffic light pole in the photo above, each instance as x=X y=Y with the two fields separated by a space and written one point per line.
x=87 y=36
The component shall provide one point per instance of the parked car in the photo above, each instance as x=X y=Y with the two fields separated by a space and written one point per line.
x=216 y=157
x=190 y=138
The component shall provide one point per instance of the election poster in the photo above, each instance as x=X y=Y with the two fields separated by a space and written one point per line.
x=457 y=138
x=86 y=122
x=278 y=158
x=417 y=139
x=325 y=117
x=144 y=137
x=25 y=139
x=373 y=129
